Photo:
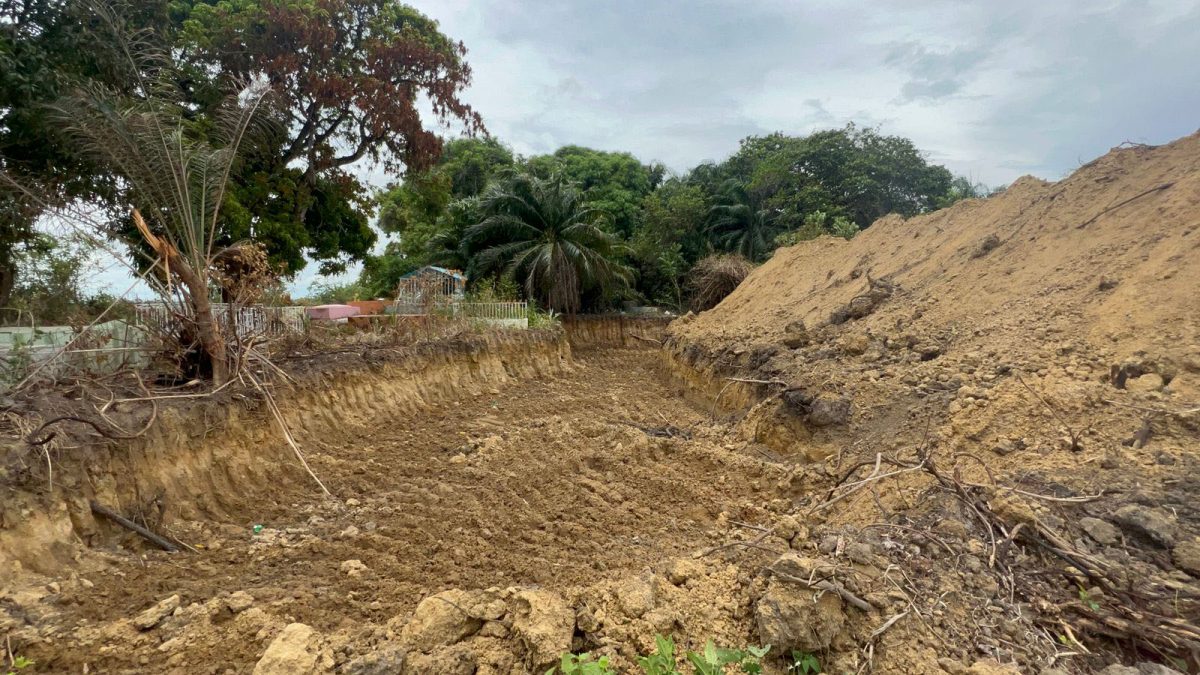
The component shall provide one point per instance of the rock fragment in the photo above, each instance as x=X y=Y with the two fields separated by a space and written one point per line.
x=1151 y=524
x=1101 y=531
x=154 y=615
x=440 y=620
x=292 y=652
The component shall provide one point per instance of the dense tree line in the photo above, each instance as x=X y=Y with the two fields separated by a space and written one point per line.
x=648 y=228
x=579 y=229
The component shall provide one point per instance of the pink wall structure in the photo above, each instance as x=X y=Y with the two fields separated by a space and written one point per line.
x=331 y=312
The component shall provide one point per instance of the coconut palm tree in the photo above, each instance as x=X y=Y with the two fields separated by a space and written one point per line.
x=541 y=231
x=740 y=223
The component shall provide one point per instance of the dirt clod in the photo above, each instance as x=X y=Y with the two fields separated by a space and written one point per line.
x=439 y=620
x=292 y=652
x=543 y=623
x=155 y=615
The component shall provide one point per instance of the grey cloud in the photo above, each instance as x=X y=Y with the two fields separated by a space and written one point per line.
x=933 y=73
x=993 y=88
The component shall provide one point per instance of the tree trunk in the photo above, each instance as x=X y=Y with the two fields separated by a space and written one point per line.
x=207 y=330
x=8 y=279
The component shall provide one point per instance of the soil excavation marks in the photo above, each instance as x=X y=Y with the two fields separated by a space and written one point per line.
x=551 y=482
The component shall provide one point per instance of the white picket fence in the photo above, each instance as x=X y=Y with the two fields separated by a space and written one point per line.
x=247 y=319
x=511 y=314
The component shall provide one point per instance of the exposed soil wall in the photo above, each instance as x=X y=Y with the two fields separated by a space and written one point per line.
x=204 y=460
x=615 y=330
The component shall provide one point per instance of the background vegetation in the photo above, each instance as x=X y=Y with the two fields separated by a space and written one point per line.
x=773 y=191
x=601 y=228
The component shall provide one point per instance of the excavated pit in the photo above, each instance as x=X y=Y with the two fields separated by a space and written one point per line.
x=513 y=464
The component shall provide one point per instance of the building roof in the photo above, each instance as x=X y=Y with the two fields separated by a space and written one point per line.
x=441 y=270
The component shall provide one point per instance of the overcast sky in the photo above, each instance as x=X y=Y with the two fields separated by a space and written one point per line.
x=992 y=89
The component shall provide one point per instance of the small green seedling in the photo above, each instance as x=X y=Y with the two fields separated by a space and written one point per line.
x=19 y=663
x=713 y=659
x=804 y=663
x=662 y=660
x=581 y=664
x=1087 y=600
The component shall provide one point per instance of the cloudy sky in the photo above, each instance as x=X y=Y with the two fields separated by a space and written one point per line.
x=992 y=89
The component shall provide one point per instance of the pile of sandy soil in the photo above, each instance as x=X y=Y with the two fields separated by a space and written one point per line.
x=992 y=412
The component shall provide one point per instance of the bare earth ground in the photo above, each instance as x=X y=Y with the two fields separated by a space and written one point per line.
x=547 y=483
x=964 y=443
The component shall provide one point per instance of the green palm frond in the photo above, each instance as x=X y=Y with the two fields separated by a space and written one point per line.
x=543 y=233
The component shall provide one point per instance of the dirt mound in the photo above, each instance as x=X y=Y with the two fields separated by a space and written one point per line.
x=992 y=412
x=1109 y=254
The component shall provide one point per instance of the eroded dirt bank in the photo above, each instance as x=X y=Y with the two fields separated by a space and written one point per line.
x=576 y=491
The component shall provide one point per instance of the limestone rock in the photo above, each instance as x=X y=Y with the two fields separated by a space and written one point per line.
x=353 y=568
x=829 y=410
x=1118 y=669
x=1186 y=555
x=543 y=624
x=292 y=652
x=1145 y=383
x=788 y=618
x=795 y=335
x=239 y=601
x=683 y=569
x=154 y=615
x=1101 y=531
x=636 y=596
x=440 y=620
x=1152 y=524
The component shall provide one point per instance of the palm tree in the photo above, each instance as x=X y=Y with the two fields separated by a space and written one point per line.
x=176 y=177
x=542 y=232
x=740 y=223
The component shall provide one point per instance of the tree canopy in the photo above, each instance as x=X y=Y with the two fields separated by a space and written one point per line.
x=774 y=190
x=348 y=79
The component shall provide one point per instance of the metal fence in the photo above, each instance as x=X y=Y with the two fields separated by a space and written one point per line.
x=247 y=319
x=493 y=311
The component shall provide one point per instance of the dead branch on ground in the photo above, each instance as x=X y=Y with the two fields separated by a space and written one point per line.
x=145 y=533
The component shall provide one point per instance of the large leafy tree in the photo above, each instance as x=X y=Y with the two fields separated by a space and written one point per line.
x=615 y=182
x=415 y=210
x=670 y=240
x=854 y=172
x=430 y=210
x=45 y=49
x=350 y=75
x=543 y=233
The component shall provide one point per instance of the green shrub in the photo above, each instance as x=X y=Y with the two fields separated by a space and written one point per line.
x=713 y=659
x=662 y=660
x=804 y=663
